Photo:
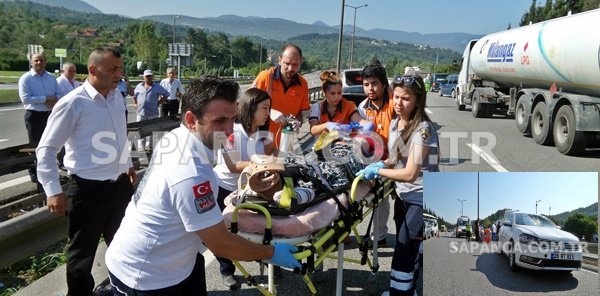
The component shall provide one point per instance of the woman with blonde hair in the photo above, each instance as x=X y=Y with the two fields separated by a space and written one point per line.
x=335 y=112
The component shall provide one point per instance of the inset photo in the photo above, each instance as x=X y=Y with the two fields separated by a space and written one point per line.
x=509 y=233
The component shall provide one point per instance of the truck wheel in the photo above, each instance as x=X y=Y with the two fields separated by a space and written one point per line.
x=540 y=125
x=521 y=116
x=458 y=105
x=567 y=139
x=478 y=109
x=490 y=109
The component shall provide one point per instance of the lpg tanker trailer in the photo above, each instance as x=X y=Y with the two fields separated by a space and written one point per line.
x=546 y=75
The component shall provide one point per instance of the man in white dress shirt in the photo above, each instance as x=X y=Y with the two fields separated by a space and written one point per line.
x=170 y=106
x=66 y=81
x=38 y=92
x=89 y=122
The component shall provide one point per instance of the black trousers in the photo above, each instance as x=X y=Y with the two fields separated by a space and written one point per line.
x=195 y=284
x=170 y=107
x=35 y=123
x=226 y=266
x=96 y=210
x=405 y=261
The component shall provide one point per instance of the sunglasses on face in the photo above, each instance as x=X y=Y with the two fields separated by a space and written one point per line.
x=408 y=81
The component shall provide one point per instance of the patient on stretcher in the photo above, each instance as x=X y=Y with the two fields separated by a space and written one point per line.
x=303 y=188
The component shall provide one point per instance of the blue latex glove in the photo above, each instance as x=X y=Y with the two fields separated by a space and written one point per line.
x=368 y=126
x=355 y=125
x=331 y=126
x=370 y=172
x=283 y=256
x=346 y=128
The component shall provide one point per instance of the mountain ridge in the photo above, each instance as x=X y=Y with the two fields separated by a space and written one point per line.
x=282 y=29
x=279 y=28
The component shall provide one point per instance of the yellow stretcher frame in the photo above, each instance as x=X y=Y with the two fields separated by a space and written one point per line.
x=324 y=241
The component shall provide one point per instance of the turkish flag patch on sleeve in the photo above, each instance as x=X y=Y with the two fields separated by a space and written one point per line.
x=204 y=198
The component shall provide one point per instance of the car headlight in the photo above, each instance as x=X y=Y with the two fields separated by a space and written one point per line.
x=528 y=239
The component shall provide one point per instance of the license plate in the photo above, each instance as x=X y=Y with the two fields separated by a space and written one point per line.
x=562 y=256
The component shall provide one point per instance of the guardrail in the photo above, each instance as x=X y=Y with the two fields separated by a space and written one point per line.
x=34 y=230
x=21 y=157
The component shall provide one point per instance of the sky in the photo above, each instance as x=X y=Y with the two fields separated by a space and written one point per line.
x=558 y=192
x=432 y=16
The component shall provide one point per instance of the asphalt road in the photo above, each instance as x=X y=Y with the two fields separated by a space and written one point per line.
x=494 y=144
x=475 y=269
x=460 y=135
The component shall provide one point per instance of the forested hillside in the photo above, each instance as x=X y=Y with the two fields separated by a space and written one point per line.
x=217 y=53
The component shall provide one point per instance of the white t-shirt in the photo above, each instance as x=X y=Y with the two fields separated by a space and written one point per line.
x=240 y=149
x=156 y=244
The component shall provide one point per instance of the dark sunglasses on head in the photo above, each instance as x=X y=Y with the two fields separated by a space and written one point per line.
x=407 y=80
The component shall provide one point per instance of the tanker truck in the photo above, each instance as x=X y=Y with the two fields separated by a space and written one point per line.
x=546 y=75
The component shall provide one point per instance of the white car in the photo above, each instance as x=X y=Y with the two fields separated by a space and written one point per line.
x=534 y=242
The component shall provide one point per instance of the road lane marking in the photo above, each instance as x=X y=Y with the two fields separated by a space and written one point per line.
x=3 y=140
x=428 y=111
x=11 y=109
x=14 y=182
x=494 y=163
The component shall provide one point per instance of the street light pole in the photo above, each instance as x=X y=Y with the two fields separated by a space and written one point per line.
x=174 y=19
x=461 y=205
x=260 y=58
x=354 y=30
x=339 y=51
x=536 y=202
x=178 y=56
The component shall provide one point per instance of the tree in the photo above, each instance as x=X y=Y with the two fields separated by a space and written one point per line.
x=590 y=4
x=146 y=44
x=242 y=50
x=199 y=39
x=581 y=225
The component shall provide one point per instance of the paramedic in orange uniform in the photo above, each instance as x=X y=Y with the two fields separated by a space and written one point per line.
x=287 y=88
x=378 y=109
x=335 y=112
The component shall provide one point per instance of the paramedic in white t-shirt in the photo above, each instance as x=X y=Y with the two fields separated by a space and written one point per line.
x=174 y=209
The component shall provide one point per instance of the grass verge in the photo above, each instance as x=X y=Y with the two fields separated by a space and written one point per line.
x=8 y=96
x=28 y=270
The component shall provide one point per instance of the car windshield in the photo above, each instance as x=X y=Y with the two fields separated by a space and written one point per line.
x=462 y=222
x=533 y=220
x=353 y=77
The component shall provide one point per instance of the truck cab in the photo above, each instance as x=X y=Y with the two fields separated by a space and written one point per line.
x=462 y=86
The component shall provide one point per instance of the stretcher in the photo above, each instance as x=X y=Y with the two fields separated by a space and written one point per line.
x=337 y=217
